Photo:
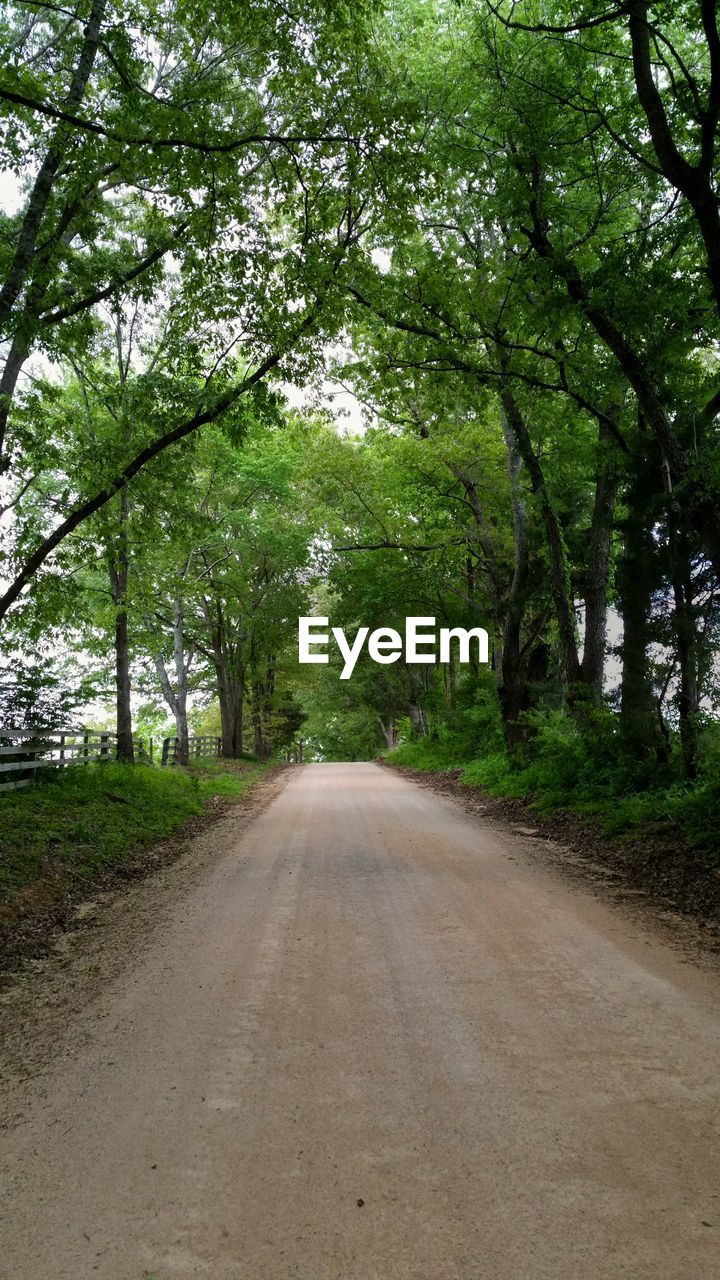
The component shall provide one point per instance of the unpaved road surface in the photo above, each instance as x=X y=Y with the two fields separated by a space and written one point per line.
x=377 y=1042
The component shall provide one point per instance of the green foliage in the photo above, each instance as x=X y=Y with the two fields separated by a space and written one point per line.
x=40 y=692
x=472 y=728
x=76 y=822
x=528 y=295
x=223 y=778
x=428 y=753
x=696 y=811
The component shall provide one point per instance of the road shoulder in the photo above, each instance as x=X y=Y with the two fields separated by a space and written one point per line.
x=106 y=930
x=649 y=879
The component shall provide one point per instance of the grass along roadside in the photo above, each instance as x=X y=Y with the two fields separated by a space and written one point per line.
x=78 y=822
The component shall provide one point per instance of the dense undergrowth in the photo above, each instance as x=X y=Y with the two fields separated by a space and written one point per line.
x=84 y=819
x=579 y=767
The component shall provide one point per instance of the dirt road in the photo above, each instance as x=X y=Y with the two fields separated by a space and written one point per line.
x=377 y=1042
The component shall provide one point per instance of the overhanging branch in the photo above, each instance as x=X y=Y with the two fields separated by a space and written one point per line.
x=224 y=147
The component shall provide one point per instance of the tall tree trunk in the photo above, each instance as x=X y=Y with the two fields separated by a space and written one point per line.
x=592 y=667
x=230 y=677
x=269 y=705
x=181 y=681
x=636 y=576
x=125 y=750
x=559 y=578
x=257 y=721
x=257 y=733
x=417 y=718
x=118 y=572
x=685 y=632
x=228 y=658
x=263 y=689
x=176 y=697
x=451 y=681
x=238 y=714
x=226 y=716
x=514 y=697
x=236 y=681
x=470 y=592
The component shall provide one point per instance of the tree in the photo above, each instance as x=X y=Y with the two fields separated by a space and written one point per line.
x=219 y=140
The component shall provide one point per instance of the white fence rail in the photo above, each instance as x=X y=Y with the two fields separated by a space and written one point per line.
x=202 y=747
x=23 y=751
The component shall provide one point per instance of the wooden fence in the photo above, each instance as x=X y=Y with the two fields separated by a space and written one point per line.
x=203 y=747
x=22 y=751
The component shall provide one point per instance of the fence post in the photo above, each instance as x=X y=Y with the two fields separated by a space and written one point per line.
x=104 y=746
x=165 y=750
x=86 y=752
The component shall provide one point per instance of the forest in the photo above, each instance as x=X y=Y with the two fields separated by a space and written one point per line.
x=492 y=229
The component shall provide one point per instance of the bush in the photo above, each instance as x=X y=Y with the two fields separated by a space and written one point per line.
x=475 y=728
x=439 y=753
x=696 y=809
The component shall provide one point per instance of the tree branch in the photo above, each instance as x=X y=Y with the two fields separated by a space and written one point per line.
x=91 y=299
x=45 y=180
x=549 y=28
x=225 y=147
x=146 y=455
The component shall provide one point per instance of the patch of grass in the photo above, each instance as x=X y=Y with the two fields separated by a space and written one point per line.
x=227 y=778
x=90 y=817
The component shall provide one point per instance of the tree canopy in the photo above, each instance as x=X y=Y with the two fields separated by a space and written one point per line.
x=498 y=228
